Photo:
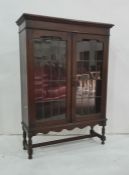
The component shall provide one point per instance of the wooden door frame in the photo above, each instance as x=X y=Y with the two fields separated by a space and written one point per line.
x=65 y=36
x=104 y=39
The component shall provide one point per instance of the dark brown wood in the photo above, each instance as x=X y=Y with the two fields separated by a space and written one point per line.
x=34 y=17
x=30 y=150
x=54 y=23
x=61 y=140
x=69 y=126
x=24 y=139
x=92 y=131
x=103 y=133
x=95 y=134
x=35 y=27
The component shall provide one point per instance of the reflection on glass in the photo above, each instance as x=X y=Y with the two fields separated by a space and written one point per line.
x=89 y=76
x=99 y=53
x=88 y=88
x=86 y=106
x=51 y=109
x=50 y=77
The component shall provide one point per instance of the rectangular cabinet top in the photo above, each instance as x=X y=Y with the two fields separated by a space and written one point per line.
x=33 y=17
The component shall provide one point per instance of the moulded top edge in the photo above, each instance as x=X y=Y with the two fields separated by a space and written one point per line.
x=34 y=17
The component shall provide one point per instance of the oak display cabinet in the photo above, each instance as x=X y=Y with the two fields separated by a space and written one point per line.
x=64 y=66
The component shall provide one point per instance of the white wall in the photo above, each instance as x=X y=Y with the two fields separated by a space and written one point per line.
x=113 y=11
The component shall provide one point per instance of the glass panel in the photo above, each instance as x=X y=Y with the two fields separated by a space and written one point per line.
x=89 y=105
x=94 y=105
x=88 y=76
x=87 y=87
x=82 y=107
x=50 y=77
x=99 y=51
x=51 y=109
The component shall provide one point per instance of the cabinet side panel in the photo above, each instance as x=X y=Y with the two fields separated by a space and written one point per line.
x=105 y=75
x=23 y=71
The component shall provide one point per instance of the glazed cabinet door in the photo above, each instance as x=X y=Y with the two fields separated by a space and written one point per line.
x=51 y=77
x=89 y=76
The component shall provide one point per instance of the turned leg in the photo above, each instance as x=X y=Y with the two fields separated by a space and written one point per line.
x=91 y=131
x=30 y=151
x=24 y=139
x=103 y=135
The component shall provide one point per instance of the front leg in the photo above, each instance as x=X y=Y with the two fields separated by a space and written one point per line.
x=30 y=150
x=91 y=131
x=103 y=134
x=24 y=139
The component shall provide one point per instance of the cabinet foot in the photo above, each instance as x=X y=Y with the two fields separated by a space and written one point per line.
x=101 y=136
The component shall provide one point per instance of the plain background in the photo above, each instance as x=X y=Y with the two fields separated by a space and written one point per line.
x=112 y=11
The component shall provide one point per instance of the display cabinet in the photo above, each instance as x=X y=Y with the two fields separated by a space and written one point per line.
x=64 y=66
